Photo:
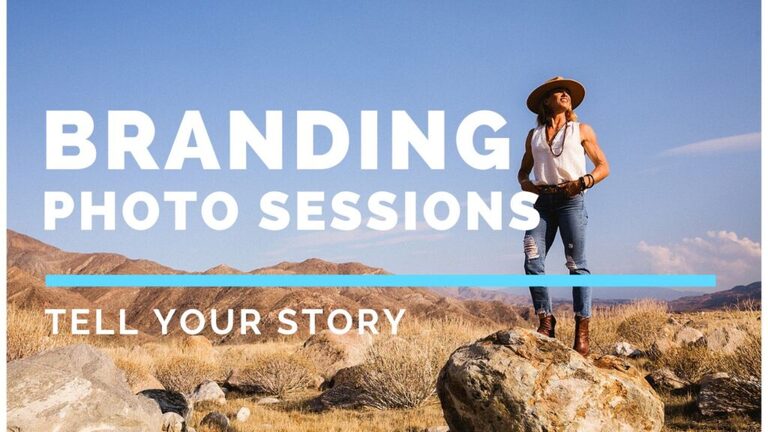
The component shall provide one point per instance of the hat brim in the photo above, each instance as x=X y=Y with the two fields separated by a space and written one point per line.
x=575 y=88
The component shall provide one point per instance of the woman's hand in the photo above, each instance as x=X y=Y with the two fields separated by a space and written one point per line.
x=528 y=186
x=572 y=188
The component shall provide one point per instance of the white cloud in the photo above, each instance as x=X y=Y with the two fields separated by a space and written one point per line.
x=730 y=144
x=735 y=260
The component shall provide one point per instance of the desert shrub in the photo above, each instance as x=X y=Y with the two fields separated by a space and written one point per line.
x=642 y=329
x=691 y=362
x=184 y=373
x=30 y=332
x=134 y=370
x=402 y=373
x=278 y=374
x=745 y=362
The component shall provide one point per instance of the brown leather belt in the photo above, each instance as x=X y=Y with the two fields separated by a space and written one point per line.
x=550 y=189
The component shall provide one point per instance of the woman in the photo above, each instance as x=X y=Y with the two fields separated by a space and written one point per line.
x=555 y=152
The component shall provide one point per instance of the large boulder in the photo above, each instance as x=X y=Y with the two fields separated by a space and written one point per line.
x=75 y=388
x=331 y=352
x=519 y=380
x=723 y=394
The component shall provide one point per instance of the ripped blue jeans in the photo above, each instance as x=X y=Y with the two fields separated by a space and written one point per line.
x=569 y=216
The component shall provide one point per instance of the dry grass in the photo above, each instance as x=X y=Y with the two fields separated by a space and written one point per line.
x=402 y=373
x=292 y=416
x=637 y=323
x=134 y=371
x=403 y=369
x=241 y=356
x=682 y=415
x=278 y=374
x=29 y=332
x=453 y=331
x=746 y=361
x=691 y=362
x=183 y=373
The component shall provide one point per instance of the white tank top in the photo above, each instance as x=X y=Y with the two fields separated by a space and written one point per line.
x=569 y=165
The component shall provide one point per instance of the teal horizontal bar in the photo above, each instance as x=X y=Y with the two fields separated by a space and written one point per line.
x=434 y=280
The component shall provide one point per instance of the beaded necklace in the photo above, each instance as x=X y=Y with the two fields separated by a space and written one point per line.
x=562 y=141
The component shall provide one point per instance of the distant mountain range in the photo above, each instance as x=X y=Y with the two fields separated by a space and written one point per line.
x=29 y=260
x=521 y=296
x=739 y=295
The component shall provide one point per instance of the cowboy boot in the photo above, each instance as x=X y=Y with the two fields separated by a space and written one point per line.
x=581 y=336
x=547 y=325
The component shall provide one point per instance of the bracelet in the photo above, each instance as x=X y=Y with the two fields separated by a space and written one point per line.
x=591 y=180
x=582 y=184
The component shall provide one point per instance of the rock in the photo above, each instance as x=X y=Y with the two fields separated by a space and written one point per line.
x=75 y=388
x=243 y=414
x=665 y=379
x=726 y=339
x=344 y=391
x=331 y=353
x=268 y=401
x=172 y=422
x=625 y=349
x=665 y=341
x=215 y=421
x=674 y=336
x=519 y=380
x=146 y=382
x=721 y=394
x=170 y=401
x=689 y=336
x=208 y=391
x=438 y=429
x=317 y=382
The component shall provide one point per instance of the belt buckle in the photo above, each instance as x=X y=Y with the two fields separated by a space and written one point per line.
x=551 y=189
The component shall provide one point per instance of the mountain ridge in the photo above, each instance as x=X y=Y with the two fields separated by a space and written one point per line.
x=739 y=295
x=29 y=260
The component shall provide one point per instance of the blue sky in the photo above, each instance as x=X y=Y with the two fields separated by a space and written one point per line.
x=659 y=76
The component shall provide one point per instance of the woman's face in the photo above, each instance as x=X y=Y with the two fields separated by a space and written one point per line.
x=559 y=100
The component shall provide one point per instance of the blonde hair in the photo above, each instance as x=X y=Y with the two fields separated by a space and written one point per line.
x=545 y=113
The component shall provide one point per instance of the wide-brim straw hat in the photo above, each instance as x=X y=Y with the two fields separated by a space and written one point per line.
x=574 y=87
